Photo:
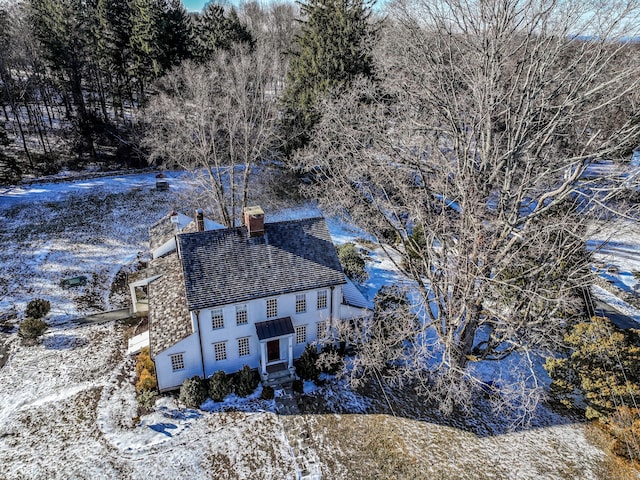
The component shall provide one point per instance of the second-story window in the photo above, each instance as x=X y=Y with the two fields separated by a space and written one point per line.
x=241 y=315
x=322 y=299
x=301 y=303
x=272 y=308
x=217 y=319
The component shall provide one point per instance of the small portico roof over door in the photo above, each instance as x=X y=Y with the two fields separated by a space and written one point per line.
x=278 y=327
x=270 y=332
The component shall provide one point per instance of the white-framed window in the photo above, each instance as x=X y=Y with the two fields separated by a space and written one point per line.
x=220 y=350
x=272 y=308
x=242 y=317
x=301 y=334
x=321 y=330
x=243 y=346
x=301 y=303
x=217 y=319
x=177 y=361
x=322 y=300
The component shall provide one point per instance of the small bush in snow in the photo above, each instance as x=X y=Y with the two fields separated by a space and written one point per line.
x=147 y=399
x=306 y=367
x=297 y=386
x=146 y=381
x=31 y=330
x=267 y=393
x=38 y=308
x=193 y=392
x=145 y=372
x=144 y=362
x=246 y=381
x=220 y=385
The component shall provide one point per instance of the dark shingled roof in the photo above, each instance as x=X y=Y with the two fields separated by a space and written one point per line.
x=228 y=266
x=274 y=328
x=169 y=318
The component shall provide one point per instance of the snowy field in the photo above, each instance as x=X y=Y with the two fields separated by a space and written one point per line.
x=67 y=407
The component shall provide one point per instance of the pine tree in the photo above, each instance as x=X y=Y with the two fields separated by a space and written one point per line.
x=604 y=366
x=144 y=42
x=215 y=30
x=175 y=35
x=113 y=33
x=333 y=48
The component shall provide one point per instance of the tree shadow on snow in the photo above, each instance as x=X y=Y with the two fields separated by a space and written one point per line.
x=482 y=420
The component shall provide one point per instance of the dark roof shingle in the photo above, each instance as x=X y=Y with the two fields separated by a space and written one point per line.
x=227 y=266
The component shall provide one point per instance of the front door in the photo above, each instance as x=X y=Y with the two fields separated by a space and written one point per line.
x=273 y=350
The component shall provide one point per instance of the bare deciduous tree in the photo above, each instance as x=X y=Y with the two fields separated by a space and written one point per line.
x=216 y=121
x=473 y=163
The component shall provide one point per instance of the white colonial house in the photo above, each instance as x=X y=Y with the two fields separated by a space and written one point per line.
x=221 y=298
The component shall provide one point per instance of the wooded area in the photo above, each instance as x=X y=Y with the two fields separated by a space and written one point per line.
x=76 y=75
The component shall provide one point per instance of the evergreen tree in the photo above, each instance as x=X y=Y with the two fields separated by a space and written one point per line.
x=113 y=32
x=144 y=42
x=333 y=48
x=175 y=34
x=215 y=30
x=604 y=366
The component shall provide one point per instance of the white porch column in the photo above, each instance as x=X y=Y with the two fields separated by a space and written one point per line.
x=134 y=301
x=290 y=351
x=263 y=357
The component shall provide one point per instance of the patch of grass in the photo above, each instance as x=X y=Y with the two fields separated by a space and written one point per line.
x=613 y=466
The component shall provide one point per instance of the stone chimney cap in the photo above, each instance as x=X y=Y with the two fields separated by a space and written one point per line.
x=253 y=211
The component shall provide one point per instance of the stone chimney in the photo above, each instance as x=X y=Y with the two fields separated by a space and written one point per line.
x=254 y=221
x=199 y=220
x=175 y=220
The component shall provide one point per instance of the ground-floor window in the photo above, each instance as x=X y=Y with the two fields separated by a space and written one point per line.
x=321 y=330
x=177 y=361
x=220 y=350
x=243 y=346
x=301 y=334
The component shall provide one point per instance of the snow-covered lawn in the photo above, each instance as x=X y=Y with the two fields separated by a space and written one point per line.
x=67 y=407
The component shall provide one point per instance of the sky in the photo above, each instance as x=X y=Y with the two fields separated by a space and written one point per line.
x=194 y=5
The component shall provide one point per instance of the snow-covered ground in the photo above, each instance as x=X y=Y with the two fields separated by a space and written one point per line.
x=67 y=407
x=616 y=251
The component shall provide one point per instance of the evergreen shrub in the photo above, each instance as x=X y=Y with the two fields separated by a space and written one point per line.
x=306 y=367
x=31 y=329
x=352 y=262
x=220 y=385
x=297 y=386
x=246 y=381
x=193 y=392
x=267 y=393
x=38 y=308
x=147 y=399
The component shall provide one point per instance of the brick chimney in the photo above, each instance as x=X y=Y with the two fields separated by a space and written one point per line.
x=254 y=221
x=199 y=220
